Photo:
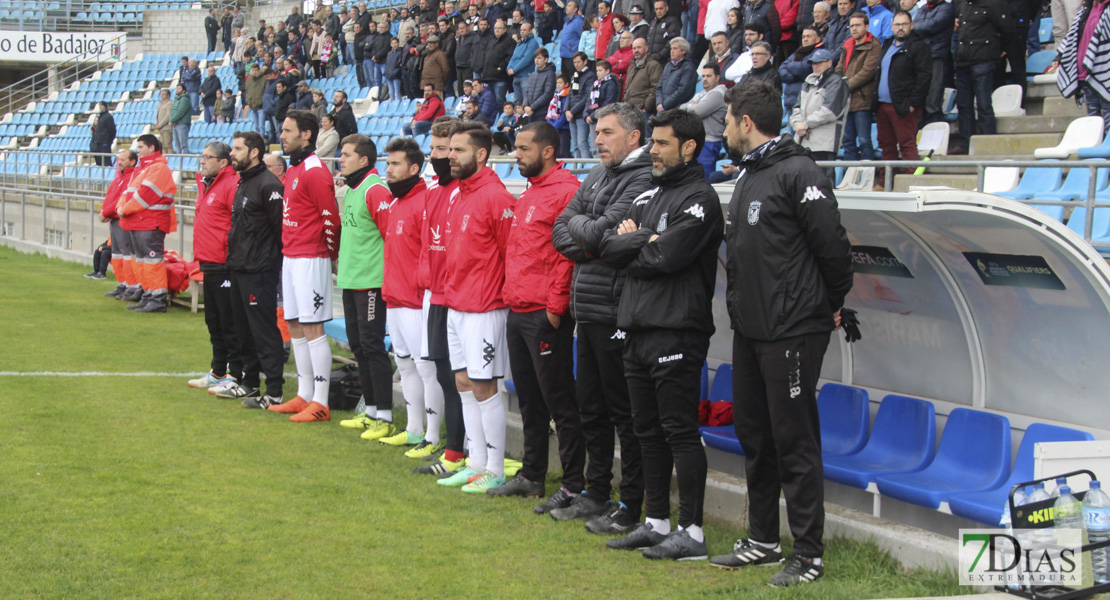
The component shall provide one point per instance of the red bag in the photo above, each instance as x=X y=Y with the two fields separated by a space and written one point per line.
x=720 y=413
x=703 y=413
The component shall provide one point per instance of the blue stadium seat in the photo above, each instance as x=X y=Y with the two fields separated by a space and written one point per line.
x=902 y=440
x=722 y=384
x=1044 y=30
x=845 y=419
x=973 y=456
x=704 y=382
x=723 y=438
x=1100 y=151
x=1075 y=185
x=1100 y=228
x=986 y=507
x=1035 y=181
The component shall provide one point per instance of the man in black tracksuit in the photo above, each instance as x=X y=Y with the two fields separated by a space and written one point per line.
x=668 y=249
x=254 y=259
x=600 y=204
x=789 y=269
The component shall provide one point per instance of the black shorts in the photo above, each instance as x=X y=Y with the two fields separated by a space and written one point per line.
x=437 y=333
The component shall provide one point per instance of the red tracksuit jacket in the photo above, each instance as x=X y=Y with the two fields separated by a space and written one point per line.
x=537 y=277
x=433 y=254
x=309 y=207
x=400 y=286
x=115 y=190
x=477 y=232
x=213 y=216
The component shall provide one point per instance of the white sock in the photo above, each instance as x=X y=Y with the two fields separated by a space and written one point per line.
x=320 y=352
x=493 y=425
x=472 y=420
x=662 y=526
x=764 y=544
x=303 y=360
x=413 y=388
x=433 y=399
x=696 y=533
x=384 y=415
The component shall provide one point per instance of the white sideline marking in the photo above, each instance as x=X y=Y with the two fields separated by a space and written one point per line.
x=102 y=374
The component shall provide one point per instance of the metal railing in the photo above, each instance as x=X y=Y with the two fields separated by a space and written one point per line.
x=54 y=78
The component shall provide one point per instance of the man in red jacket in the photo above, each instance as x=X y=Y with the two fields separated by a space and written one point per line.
x=121 y=242
x=442 y=192
x=430 y=110
x=540 y=328
x=477 y=232
x=146 y=212
x=405 y=299
x=310 y=240
x=216 y=183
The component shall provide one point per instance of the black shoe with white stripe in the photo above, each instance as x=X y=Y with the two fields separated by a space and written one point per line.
x=678 y=546
x=798 y=570
x=745 y=554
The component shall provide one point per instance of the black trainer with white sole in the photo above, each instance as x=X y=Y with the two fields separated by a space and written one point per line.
x=262 y=402
x=798 y=570
x=678 y=546
x=583 y=508
x=617 y=521
x=641 y=537
x=560 y=499
x=746 y=554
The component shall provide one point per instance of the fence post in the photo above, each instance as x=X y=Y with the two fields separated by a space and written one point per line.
x=42 y=203
x=888 y=179
x=23 y=215
x=1090 y=203
x=980 y=176
x=68 y=241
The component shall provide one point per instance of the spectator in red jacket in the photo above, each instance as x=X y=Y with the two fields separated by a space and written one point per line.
x=121 y=241
x=540 y=328
x=216 y=184
x=430 y=110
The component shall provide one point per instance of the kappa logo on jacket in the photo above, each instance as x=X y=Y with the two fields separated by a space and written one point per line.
x=812 y=193
x=508 y=214
x=696 y=211
x=226 y=283
x=277 y=196
x=618 y=335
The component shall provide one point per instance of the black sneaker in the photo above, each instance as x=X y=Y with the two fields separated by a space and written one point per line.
x=436 y=468
x=641 y=537
x=93 y=275
x=236 y=391
x=582 y=508
x=745 y=553
x=678 y=546
x=560 y=499
x=518 y=486
x=262 y=402
x=618 y=520
x=117 y=291
x=798 y=570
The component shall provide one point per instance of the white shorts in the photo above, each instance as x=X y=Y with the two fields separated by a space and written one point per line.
x=404 y=331
x=477 y=343
x=306 y=289
x=424 y=321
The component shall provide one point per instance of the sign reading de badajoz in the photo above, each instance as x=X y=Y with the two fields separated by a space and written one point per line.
x=44 y=46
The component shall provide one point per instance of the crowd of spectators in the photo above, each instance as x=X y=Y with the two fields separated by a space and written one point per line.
x=562 y=61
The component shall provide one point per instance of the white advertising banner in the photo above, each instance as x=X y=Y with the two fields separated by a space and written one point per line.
x=43 y=46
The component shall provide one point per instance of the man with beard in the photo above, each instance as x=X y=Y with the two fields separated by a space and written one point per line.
x=540 y=328
x=216 y=183
x=309 y=244
x=147 y=213
x=405 y=298
x=667 y=247
x=477 y=231
x=254 y=262
x=602 y=391
x=360 y=275
x=784 y=233
x=441 y=193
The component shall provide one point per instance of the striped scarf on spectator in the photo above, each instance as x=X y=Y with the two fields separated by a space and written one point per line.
x=1096 y=61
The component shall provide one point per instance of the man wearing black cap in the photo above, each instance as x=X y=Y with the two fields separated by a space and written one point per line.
x=818 y=118
x=637 y=25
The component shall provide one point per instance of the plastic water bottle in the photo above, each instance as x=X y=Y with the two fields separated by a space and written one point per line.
x=1096 y=514
x=1060 y=482
x=1040 y=538
x=1007 y=524
x=1068 y=513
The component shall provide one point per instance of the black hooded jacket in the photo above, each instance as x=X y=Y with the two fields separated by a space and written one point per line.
x=789 y=262
x=600 y=204
x=254 y=242
x=669 y=282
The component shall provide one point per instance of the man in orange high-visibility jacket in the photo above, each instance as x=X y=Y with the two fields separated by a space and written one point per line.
x=146 y=211
x=126 y=162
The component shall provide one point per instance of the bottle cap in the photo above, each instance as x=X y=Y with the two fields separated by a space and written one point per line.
x=1061 y=480
x=1064 y=490
x=1095 y=484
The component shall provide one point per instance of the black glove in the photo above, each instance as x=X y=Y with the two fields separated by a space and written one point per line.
x=849 y=320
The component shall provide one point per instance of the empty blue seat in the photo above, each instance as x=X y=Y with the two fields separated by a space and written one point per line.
x=704 y=382
x=336 y=329
x=902 y=440
x=722 y=384
x=973 y=456
x=722 y=438
x=1100 y=151
x=845 y=419
x=1044 y=30
x=1075 y=185
x=1035 y=181
x=986 y=507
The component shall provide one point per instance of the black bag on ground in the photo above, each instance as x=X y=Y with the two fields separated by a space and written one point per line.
x=345 y=388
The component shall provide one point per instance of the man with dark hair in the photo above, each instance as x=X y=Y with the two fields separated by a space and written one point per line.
x=985 y=29
x=667 y=246
x=477 y=231
x=540 y=328
x=405 y=299
x=570 y=35
x=934 y=23
x=343 y=115
x=710 y=105
x=904 y=73
x=126 y=160
x=777 y=349
x=103 y=135
x=211 y=28
x=428 y=111
x=216 y=183
x=146 y=211
x=433 y=273
x=210 y=94
x=309 y=244
x=495 y=61
x=765 y=12
x=860 y=65
x=181 y=115
x=540 y=86
x=581 y=84
x=663 y=29
x=254 y=263
x=360 y=275
x=600 y=204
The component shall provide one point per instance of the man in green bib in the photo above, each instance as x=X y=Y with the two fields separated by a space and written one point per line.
x=361 y=258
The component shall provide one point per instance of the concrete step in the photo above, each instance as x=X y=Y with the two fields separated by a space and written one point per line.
x=1034 y=124
x=970 y=169
x=1063 y=106
x=1009 y=145
x=1042 y=90
x=902 y=183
